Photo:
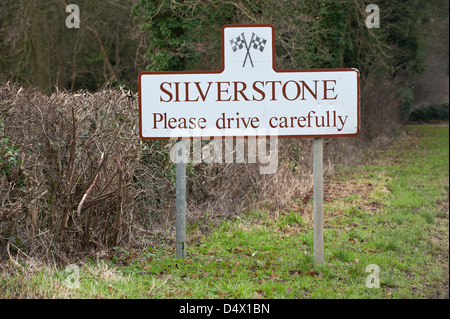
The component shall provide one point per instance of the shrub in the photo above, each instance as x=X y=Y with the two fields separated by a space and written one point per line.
x=433 y=112
x=406 y=96
x=8 y=153
x=86 y=182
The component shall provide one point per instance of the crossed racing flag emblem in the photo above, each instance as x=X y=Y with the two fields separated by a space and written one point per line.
x=256 y=43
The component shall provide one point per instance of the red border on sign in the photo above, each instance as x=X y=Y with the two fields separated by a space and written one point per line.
x=274 y=68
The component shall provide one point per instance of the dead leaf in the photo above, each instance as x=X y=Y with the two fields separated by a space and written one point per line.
x=312 y=273
x=258 y=294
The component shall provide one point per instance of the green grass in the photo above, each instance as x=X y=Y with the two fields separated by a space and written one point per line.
x=393 y=215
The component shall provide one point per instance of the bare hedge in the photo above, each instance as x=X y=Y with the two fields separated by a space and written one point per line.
x=76 y=178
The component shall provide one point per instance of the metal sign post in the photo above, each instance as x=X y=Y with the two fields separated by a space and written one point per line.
x=318 y=199
x=181 y=149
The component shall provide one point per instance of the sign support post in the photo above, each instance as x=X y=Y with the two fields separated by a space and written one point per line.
x=181 y=198
x=318 y=199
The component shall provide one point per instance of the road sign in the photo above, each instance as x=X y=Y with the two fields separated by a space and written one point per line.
x=249 y=96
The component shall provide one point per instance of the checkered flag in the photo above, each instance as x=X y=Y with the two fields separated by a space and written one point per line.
x=258 y=43
x=238 y=43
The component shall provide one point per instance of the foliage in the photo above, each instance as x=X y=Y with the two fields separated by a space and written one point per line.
x=171 y=28
x=8 y=153
x=38 y=49
x=116 y=41
x=75 y=164
x=432 y=112
x=310 y=34
x=92 y=184
x=406 y=97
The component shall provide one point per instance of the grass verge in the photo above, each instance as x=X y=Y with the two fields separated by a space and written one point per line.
x=390 y=214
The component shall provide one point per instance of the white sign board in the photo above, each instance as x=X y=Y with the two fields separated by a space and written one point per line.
x=249 y=97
